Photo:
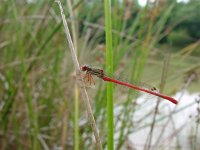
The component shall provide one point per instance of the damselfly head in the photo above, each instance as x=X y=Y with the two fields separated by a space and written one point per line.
x=84 y=68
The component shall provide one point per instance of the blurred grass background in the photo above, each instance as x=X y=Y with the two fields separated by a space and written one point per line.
x=37 y=83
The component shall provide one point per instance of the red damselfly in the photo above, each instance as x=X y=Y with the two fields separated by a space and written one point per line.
x=100 y=74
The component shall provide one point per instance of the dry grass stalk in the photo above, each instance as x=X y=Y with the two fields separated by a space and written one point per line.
x=80 y=80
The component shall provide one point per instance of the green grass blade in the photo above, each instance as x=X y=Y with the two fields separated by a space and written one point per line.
x=109 y=69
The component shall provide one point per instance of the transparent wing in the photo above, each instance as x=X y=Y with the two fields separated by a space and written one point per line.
x=88 y=80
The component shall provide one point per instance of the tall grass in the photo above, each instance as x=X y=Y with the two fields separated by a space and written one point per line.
x=37 y=92
x=109 y=69
x=74 y=28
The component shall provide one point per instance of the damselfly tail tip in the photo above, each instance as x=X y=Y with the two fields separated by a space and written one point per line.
x=175 y=101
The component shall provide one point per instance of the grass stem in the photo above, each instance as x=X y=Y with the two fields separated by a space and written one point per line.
x=80 y=81
x=109 y=69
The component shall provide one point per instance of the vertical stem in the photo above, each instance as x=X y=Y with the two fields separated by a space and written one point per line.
x=162 y=84
x=109 y=69
x=76 y=119
x=80 y=80
x=76 y=93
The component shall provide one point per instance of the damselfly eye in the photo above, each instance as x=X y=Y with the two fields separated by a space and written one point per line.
x=84 y=68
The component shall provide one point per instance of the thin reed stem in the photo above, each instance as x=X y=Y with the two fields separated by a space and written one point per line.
x=76 y=93
x=162 y=84
x=109 y=69
x=80 y=80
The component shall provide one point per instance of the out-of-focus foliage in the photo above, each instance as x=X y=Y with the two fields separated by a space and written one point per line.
x=36 y=71
x=186 y=22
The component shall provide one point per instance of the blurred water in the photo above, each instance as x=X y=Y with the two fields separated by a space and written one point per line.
x=181 y=125
x=31 y=1
x=144 y=2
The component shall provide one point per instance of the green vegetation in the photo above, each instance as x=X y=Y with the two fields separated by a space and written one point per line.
x=40 y=105
x=109 y=69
